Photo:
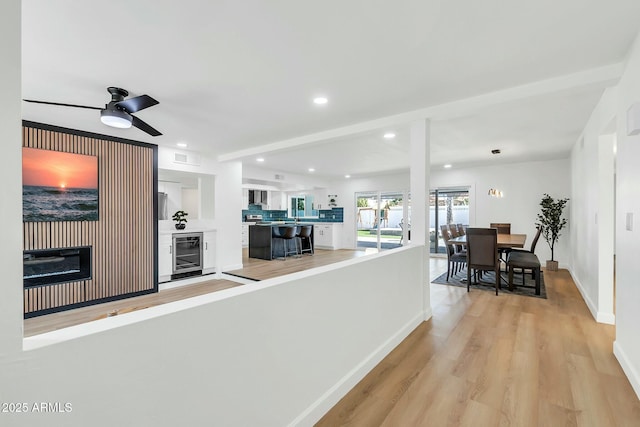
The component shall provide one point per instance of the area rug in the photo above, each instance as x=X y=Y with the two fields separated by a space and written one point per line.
x=487 y=283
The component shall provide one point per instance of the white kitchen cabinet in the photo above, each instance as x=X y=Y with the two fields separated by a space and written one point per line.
x=326 y=235
x=277 y=201
x=209 y=252
x=245 y=198
x=165 y=257
x=245 y=235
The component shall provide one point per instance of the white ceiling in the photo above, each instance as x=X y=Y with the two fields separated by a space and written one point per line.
x=234 y=76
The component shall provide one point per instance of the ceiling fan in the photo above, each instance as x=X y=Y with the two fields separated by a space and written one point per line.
x=119 y=112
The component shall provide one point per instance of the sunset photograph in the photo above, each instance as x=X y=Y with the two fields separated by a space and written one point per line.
x=59 y=186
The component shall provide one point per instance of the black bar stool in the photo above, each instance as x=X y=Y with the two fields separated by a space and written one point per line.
x=305 y=235
x=287 y=234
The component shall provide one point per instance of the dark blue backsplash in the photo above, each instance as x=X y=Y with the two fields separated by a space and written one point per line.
x=325 y=215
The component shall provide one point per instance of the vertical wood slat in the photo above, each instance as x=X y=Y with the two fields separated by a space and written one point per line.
x=122 y=238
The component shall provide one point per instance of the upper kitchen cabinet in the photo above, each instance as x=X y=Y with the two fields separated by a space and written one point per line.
x=190 y=192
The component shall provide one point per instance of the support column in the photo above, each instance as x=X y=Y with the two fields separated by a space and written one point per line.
x=11 y=188
x=419 y=182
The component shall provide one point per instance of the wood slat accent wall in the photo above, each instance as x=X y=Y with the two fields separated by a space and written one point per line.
x=124 y=237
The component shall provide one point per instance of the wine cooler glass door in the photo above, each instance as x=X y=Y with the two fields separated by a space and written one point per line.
x=187 y=252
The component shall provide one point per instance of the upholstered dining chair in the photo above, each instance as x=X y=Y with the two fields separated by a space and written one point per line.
x=503 y=228
x=532 y=249
x=482 y=253
x=455 y=260
x=455 y=232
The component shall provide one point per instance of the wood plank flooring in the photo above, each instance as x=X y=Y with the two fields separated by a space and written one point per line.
x=508 y=360
x=261 y=270
x=254 y=268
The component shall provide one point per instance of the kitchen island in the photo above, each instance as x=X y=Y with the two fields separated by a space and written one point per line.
x=261 y=240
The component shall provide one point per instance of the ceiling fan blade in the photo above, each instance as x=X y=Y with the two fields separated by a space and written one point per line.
x=143 y=126
x=138 y=103
x=63 y=105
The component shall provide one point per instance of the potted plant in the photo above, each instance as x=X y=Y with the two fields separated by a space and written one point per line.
x=180 y=217
x=551 y=221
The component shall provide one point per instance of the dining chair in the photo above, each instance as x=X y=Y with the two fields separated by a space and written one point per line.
x=454 y=232
x=482 y=253
x=503 y=228
x=460 y=228
x=455 y=260
x=532 y=249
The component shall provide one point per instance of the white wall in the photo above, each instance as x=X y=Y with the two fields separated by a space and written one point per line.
x=279 y=352
x=592 y=220
x=10 y=190
x=593 y=217
x=627 y=344
x=523 y=186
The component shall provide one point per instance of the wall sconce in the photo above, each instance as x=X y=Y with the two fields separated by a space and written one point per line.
x=494 y=192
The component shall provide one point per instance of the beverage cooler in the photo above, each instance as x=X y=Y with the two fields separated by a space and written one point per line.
x=187 y=252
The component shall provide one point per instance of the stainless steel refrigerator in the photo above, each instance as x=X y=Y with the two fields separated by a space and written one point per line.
x=163 y=202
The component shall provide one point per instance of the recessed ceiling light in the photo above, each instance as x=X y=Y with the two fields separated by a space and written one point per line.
x=182 y=144
x=312 y=170
x=259 y=159
x=447 y=166
x=320 y=100
x=389 y=135
x=347 y=176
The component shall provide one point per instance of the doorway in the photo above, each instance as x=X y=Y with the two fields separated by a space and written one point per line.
x=446 y=206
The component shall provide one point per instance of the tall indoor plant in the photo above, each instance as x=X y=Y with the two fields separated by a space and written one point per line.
x=551 y=220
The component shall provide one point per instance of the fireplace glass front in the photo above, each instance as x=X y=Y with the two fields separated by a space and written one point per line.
x=50 y=266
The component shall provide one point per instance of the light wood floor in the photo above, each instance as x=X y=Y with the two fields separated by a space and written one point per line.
x=508 y=360
x=253 y=268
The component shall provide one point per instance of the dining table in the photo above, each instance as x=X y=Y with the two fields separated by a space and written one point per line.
x=504 y=240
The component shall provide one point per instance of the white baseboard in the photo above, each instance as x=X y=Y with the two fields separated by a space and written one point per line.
x=608 y=318
x=590 y=305
x=600 y=317
x=628 y=368
x=315 y=411
x=427 y=314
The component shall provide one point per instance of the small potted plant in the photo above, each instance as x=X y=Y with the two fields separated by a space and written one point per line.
x=180 y=217
x=551 y=221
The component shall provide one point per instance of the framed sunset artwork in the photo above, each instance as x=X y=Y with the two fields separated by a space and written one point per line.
x=59 y=186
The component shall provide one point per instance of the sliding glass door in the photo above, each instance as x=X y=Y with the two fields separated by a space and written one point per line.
x=380 y=219
x=446 y=206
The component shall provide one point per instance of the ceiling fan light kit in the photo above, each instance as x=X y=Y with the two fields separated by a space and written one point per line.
x=116 y=118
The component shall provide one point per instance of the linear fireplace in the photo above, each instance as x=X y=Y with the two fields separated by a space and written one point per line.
x=49 y=266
